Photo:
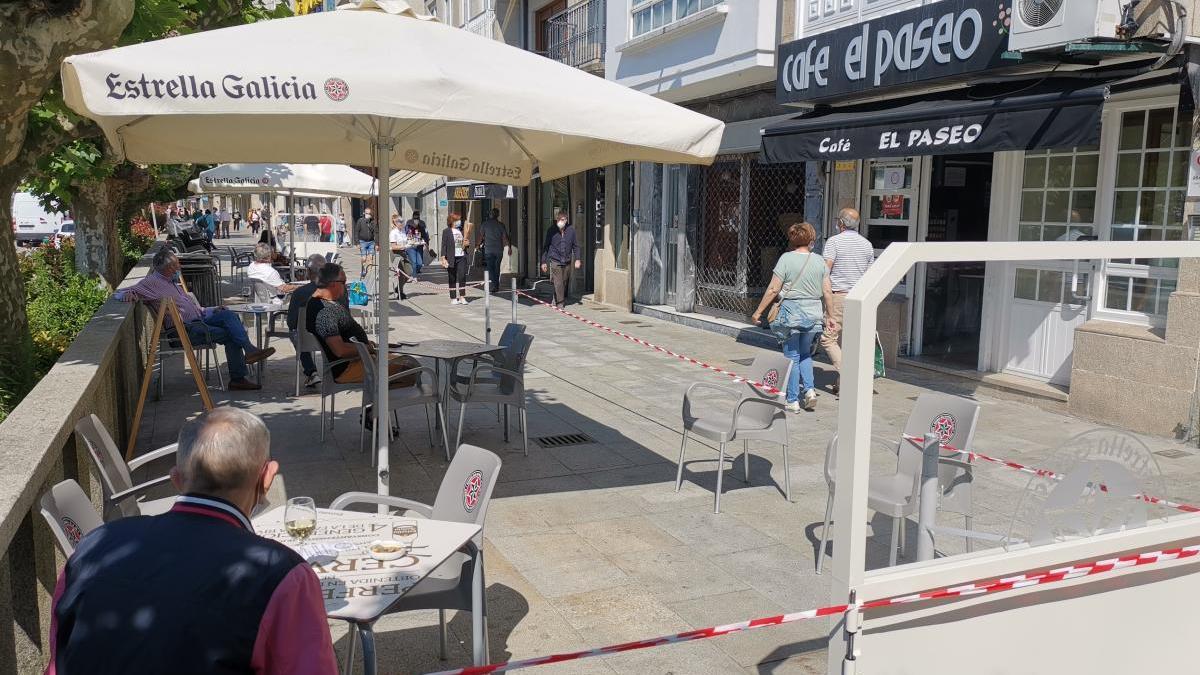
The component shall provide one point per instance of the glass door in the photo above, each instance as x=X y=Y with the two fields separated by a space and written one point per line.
x=674 y=206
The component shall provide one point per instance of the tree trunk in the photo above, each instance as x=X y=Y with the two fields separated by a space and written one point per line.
x=35 y=36
x=97 y=246
x=16 y=350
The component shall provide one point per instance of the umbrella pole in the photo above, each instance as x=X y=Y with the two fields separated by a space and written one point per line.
x=383 y=151
x=291 y=207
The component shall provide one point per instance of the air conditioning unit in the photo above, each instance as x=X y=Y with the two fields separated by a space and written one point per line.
x=1047 y=24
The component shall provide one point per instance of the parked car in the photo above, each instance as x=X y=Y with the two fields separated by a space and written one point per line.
x=32 y=223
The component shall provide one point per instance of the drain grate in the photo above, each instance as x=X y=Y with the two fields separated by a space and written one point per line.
x=1173 y=453
x=563 y=440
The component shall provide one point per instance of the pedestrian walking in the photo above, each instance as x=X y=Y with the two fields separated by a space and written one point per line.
x=847 y=254
x=558 y=254
x=312 y=226
x=340 y=228
x=454 y=258
x=254 y=222
x=495 y=239
x=237 y=221
x=225 y=220
x=402 y=268
x=418 y=238
x=364 y=234
x=210 y=225
x=326 y=227
x=802 y=284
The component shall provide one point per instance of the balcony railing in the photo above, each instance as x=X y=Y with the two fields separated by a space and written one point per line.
x=575 y=36
x=483 y=24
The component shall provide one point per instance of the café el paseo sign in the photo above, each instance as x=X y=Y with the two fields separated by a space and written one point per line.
x=938 y=40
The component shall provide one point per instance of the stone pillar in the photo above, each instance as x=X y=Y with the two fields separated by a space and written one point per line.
x=1183 y=308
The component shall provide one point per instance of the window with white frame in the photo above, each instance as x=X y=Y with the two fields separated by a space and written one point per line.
x=651 y=14
x=1148 y=196
x=1058 y=203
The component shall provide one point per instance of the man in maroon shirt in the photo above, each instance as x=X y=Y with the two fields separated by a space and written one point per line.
x=194 y=590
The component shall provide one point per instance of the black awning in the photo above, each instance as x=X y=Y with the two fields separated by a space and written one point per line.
x=1051 y=114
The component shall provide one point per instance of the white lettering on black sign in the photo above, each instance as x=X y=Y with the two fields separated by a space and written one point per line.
x=938 y=40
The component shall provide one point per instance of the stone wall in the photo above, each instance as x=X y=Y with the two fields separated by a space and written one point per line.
x=99 y=373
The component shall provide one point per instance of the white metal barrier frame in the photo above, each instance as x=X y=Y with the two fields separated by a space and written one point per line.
x=1088 y=625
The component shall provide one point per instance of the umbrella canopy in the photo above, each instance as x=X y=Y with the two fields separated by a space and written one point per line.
x=307 y=180
x=400 y=91
x=452 y=102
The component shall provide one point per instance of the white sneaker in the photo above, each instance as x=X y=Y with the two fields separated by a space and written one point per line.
x=810 y=399
x=312 y=380
x=462 y=301
x=793 y=407
x=454 y=301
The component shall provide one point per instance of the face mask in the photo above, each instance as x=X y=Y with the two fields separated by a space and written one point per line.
x=458 y=223
x=562 y=224
x=177 y=276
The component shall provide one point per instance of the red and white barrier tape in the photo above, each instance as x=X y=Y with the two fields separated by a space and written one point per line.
x=773 y=390
x=1046 y=473
x=995 y=586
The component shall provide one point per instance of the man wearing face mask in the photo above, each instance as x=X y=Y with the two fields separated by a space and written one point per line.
x=364 y=232
x=558 y=253
x=203 y=323
x=196 y=590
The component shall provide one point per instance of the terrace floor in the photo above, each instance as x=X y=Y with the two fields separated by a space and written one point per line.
x=589 y=544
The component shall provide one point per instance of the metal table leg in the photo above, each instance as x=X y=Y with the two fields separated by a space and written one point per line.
x=258 y=328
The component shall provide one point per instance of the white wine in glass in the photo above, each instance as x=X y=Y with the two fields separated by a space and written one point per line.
x=300 y=517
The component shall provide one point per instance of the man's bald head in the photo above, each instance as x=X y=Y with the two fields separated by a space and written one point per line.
x=222 y=452
x=848 y=218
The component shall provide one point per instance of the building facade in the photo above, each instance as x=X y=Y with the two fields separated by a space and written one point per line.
x=962 y=121
x=703 y=240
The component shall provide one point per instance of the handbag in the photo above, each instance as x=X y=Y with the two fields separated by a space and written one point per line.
x=777 y=303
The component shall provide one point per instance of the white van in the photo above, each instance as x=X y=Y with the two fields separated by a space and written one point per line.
x=33 y=224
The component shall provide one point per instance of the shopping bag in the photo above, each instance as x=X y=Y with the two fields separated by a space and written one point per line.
x=880 y=370
x=358 y=293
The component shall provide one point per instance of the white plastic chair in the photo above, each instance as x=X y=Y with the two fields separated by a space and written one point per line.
x=754 y=415
x=898 y=495
x=506 y=387
x=116 y=474
x=459 y=582
x=70 y=515
x=422 y=393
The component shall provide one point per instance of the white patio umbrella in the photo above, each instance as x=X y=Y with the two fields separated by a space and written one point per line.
x=305 y=180
x=401 y=90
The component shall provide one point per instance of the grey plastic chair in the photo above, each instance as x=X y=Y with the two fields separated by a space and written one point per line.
x=70 y=515
x=261 y=291
x=506 y=387
x=459 y=582
x=330 y=389
x=898 y=495
x=502 y=359
x=238 y=262
x=753 y=415
x=170 y=344
x=116 y=474
x=424 y=392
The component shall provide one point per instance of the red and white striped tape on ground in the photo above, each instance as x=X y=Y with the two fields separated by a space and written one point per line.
x=995 y=586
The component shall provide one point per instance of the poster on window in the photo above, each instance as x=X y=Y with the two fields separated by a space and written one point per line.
x=893 y=206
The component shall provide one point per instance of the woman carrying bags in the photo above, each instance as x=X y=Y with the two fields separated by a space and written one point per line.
x=801 y=281
x=455 y=258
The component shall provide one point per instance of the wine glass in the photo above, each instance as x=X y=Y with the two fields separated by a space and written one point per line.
x=300 y=517
x=405 y=532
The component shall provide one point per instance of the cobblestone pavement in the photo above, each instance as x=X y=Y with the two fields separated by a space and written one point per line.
x=590 y=544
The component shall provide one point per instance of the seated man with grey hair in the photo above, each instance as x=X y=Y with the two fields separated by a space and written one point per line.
x=300 y=298
x=202 y=323
x=264 y=271
x=194 y=590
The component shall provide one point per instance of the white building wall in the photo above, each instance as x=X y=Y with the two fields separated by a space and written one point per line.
x=723 y=48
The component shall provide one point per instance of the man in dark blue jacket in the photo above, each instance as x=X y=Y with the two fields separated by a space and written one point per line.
x=194 y=590
x=558 y=254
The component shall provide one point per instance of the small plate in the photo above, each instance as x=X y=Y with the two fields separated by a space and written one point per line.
x=400 y=551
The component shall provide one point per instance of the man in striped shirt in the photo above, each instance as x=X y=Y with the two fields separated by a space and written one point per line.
x=848 y=254
x=202 y=323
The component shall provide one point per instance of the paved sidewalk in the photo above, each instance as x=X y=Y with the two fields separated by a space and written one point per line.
x=590 y=544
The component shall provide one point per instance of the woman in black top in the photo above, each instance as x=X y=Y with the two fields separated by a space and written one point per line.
x=454 y=258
